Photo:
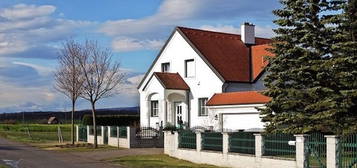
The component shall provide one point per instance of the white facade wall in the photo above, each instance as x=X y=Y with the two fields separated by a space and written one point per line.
x=204 y=84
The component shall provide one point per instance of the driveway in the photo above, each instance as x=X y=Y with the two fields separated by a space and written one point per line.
x=25 y=156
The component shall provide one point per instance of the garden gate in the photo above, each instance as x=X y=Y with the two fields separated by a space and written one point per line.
x=316 y=144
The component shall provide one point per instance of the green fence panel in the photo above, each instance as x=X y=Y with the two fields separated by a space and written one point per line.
x=99 y=130
x=113 y=131
x=212 y=141
x=242 y=142
x=316 y=144
x=277 y=145
x=82 y=133
x=187 y=139
x=348 y=151
x=122 y=132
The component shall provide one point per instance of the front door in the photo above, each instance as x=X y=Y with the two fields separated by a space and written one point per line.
x=178 y=112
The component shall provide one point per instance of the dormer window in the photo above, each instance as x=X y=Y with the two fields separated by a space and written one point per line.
x=165 y=67
x=189 y=68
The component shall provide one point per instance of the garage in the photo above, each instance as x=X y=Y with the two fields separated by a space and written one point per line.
x=240 y=121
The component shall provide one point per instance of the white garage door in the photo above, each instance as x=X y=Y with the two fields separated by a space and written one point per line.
x=241 y=121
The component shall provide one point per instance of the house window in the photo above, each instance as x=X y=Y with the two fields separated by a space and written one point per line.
x=154 y=108
x=189 y=68
x=202 y=108
x=165 y=67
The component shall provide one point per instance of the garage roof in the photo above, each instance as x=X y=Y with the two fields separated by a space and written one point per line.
x=237 y=98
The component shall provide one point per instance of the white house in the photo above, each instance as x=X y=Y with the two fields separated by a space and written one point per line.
x=205 y=78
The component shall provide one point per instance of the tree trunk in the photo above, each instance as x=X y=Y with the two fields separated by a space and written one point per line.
x=94 y=125
x=72 y=122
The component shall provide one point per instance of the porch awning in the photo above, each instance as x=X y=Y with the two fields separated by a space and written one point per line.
x=171 y=81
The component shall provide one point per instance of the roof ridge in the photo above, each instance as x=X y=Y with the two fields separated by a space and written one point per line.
x=210 y=31
x=219 y=32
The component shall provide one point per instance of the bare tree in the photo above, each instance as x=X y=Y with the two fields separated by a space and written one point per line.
x=68 y=77
x=102 y=76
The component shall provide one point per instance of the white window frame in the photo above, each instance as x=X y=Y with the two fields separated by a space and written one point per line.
x=193 y=69
x=164 y=66
x=202 y=108
x=154 y=110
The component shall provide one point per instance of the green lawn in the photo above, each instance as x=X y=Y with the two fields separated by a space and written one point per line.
x=34 y=133
x=156 y=161
x=3 y=166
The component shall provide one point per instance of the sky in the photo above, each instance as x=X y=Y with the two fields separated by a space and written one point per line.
x=33 y=31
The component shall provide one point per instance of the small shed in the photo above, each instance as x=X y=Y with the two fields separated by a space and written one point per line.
x=53 y=120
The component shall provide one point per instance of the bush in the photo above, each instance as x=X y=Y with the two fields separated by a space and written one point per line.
x=112 y=120
x=170 y=127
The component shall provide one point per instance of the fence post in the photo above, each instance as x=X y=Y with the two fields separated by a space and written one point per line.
x=259 y=145
x=301 y=154
x=77 y=133
x=332 y=151
x=128 y=136
x=198 y=142
x=176 y=140
x=118 y=137
x=88 y=129
x=225 y=144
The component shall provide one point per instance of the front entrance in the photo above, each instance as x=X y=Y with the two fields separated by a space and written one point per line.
x=178 y=112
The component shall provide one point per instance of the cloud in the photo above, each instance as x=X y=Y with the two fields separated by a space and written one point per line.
x=136 y=34
x=130 y=44
x=27 y=31
x=23 y=11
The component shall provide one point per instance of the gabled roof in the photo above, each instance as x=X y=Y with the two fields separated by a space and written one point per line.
x=238 y=98
x=171 y=81
x=228 y=55
x=225 y=53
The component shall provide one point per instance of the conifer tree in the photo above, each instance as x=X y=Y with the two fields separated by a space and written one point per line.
x=341 y=68
x=294 y=82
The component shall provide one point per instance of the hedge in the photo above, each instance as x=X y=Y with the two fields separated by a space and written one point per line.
x=112 y=120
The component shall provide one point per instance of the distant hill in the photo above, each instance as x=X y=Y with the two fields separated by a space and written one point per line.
x=65 y=117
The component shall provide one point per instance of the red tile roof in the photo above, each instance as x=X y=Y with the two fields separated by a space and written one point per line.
x=258 y=60
x=227 y=53
x=236 y=98
x=171 y=81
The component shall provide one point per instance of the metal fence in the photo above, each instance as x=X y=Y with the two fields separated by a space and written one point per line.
x=277 y=145
x=122 y=132
x=316 y=144
x=113 y=131
x=187 y=139
x=99 y=130
x=147 y=133
x=242 y=142
x=82 y=133
x=212 y=141
x=348 y=151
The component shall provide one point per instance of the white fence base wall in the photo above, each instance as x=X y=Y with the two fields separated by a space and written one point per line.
x=112 y=141
x=100 y=140
x=222 y=159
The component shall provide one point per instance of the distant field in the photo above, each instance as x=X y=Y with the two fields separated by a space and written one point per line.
x=35 y=133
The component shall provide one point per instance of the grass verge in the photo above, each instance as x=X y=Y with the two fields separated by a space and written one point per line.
x=76 y=148
x=156 y=161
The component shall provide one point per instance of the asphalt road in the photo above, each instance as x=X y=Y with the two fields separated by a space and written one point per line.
x=24 y=156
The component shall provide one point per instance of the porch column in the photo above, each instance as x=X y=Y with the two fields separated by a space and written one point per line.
x=165 y=111
x=148 y=111
x=162 y=111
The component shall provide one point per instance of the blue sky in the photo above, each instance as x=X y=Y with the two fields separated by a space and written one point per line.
x=32 y=31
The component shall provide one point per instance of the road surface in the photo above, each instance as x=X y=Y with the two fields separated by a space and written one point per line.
x=25 y=156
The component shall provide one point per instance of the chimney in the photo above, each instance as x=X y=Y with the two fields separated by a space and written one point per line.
x=247 y=33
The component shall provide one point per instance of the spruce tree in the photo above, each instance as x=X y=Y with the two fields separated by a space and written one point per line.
x=341 y=67
x=293 y=81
